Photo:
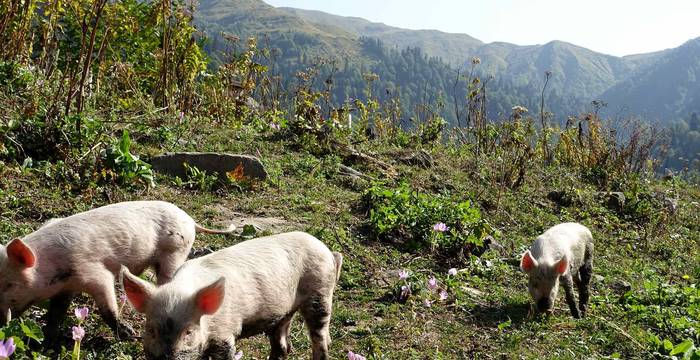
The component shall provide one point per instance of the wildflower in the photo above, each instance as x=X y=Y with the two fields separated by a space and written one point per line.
x=452 y=271
x=432 y=283
x=238 y=355
x=476 y=61
x=78 y=333
x=81 y=313
x=427 y=303
x=7 y=347
x=403 y=274
x=353 y=356
x=440 y=227
x=443 y=295
x=405 y=291
x=275 y=126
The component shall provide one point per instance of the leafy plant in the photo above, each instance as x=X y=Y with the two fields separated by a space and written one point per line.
x=402 y=213
x=125 y=166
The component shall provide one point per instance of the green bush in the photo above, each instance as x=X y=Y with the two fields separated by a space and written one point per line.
x=126 y=167
x=408 y=216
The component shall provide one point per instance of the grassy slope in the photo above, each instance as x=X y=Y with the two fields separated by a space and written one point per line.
x=306 y=190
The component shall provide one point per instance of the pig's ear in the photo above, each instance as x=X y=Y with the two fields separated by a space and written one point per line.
x=527 y=262
x=561 y=266
x=209 y=299
x=138 y=292
x=21 y=254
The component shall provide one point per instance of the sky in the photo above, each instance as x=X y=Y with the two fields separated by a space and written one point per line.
x=616 y=27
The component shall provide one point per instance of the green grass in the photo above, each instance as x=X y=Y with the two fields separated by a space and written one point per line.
x=487 y=314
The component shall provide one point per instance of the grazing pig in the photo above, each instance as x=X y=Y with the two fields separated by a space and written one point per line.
x=253 y=287
x=83 y=253
x=563 y=254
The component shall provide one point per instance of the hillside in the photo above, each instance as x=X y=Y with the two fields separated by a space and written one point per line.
x=579 y=75
x=665 y=90
x=432 y=221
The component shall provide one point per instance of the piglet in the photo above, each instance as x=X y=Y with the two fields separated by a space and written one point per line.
x=83 y=253
x=253 y=287
x=564 y=253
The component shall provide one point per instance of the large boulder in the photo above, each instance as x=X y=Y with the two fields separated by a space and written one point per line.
x=213 y=163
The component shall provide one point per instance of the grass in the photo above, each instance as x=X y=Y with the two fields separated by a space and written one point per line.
x=487 y=314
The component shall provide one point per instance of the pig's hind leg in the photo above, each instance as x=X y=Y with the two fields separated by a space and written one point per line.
x=280 y=344
x=173 y=252
x=584 y=287
x=101 y=288
x=317 y=315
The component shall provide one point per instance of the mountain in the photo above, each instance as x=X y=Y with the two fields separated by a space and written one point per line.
x=451 y=48
x=667 y=89
x=640 y=83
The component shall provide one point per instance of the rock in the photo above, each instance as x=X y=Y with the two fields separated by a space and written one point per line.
x=421 y=158
x=614 y=200
x=473 y=292
x=621 y=286
x=561 y=198
x=212 y=163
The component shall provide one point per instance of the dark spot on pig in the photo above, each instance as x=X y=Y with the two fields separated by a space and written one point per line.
x=61 y=276
x=316 y=314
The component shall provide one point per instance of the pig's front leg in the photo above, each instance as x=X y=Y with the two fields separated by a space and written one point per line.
x=102 y=290
x=568 y=284
x=219 y=350
x=56 y=314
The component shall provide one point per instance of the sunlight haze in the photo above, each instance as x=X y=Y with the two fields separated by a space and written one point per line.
x=618 y=28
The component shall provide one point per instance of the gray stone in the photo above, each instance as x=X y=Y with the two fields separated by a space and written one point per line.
x=212 y=163
x=621 y=286
x=614 y=200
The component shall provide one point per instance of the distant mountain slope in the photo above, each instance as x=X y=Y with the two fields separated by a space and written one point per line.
x=667 y=89
x=660 y=84
x=451 y=48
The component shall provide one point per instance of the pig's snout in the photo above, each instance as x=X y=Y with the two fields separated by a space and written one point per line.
x=544 y=305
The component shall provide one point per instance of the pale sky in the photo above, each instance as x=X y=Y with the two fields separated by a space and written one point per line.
x=616 y=27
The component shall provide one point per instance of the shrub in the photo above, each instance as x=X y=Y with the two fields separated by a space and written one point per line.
x=126 y=167
x=437 y=222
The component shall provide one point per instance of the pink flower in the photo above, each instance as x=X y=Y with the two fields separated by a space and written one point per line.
x=452 y=272
x=275 y=126
x=405 y=291
x=432 y=283
x=238 y=355
x=353 y=356
x=440 y=227
x=443 y=295
x=7 y=347
x=427 y=303
x=403 y=274
x=81 y=313
x=78 y=333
